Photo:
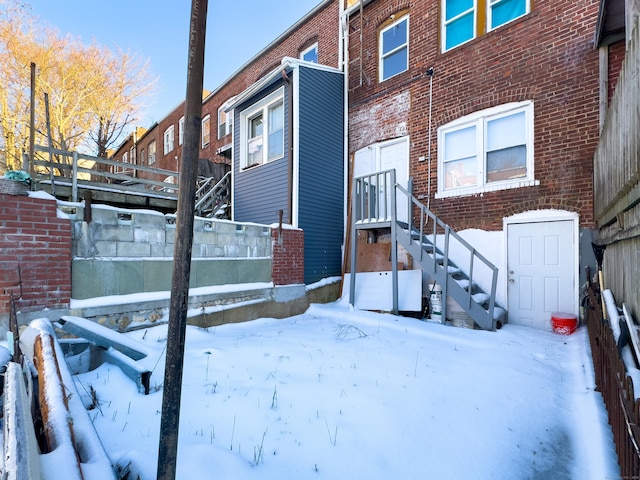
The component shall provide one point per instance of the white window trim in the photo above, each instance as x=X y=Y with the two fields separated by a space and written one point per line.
x=169 y=140
x=152 y=156
x=488 y=8
x=181 y=131
x=263 y=105
x=307 y=50
x=228 y=123
x=382 y=56
x=206 y=119
x=479 y=119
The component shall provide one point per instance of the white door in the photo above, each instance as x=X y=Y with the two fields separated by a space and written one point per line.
x=385 y=156
x=396 y=155
x=540 y=271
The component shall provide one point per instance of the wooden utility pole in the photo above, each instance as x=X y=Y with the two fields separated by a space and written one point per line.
x=170 y=420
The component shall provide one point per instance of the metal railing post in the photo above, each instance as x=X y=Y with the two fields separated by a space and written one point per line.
x=394 y=242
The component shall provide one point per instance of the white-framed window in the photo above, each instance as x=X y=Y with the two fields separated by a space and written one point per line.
x=462 y=20
x=125 y=157
x=181 y=131
x=393 y=44
x=132 y=155
x=310 y=54
x=206 y=130
x=168 y=139
x=488 y=150
x=225 y=122
x=262 y=131
x=152 y=152
x=142 y=156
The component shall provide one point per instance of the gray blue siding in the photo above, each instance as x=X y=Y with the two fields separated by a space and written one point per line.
x=321 y=153
x=260 y=192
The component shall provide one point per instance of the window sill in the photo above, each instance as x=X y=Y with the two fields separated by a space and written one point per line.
x=486 y=189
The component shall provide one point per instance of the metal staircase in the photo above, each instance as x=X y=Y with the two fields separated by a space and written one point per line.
x=376 y=199
x=214 y=200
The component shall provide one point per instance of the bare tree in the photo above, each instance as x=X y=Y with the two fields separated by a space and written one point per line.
x=94 y=93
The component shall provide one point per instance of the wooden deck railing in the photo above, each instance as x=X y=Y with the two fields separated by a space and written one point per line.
x=54 y=167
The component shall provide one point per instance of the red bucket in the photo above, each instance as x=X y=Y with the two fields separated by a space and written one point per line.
x=564 y=323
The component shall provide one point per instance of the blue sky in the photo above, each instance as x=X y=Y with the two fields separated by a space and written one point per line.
x=236 y=31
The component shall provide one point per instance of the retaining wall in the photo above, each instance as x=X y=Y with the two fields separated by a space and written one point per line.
x=119 y=252
x=65 y=252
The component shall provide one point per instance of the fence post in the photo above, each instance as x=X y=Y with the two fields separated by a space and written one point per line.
x=74 y=178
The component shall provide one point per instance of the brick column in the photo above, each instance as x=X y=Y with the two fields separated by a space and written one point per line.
x=33 y=238
x=288 y=256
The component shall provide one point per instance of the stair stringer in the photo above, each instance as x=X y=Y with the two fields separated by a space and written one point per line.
x=429 y=263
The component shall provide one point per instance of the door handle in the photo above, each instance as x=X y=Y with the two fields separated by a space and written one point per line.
x=511 y=280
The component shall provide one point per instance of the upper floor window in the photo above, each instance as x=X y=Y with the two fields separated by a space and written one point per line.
x=463 y=20
x=181 y=131
x=225 y=122
x=394 y=48
x=262 y=131
x=142 y=156
x=132 y=155
x=206 y=130
x=310 y=54
x=168 y=139
x=488 y=150
x=152 y=152
x=125 y=157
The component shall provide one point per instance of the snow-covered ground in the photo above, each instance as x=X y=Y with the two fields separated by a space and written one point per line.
x=342 y=394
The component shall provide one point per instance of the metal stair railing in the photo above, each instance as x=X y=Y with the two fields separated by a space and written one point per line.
x=209 y=198
x=374 y=201
x=430 y=242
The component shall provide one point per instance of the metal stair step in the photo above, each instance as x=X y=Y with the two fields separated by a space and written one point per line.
x=499 y=313
x=464 y=283
x=481 y=298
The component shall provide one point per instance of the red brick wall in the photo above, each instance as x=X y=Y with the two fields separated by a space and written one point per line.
x=33 y=237
x=547 y=57
x=288 y=257
x=617 y=52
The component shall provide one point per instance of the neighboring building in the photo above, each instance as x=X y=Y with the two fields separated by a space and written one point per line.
x=302 y=170
x=127 y=152
x=289 y=158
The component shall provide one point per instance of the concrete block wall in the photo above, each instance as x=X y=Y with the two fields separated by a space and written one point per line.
x=120 y=233
x=120 y=252
x=35 y=239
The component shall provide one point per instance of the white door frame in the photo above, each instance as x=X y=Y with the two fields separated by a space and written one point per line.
x=539 y=216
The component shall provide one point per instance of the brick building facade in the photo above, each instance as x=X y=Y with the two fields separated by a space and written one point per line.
x=316 y=36
x=530 y=58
